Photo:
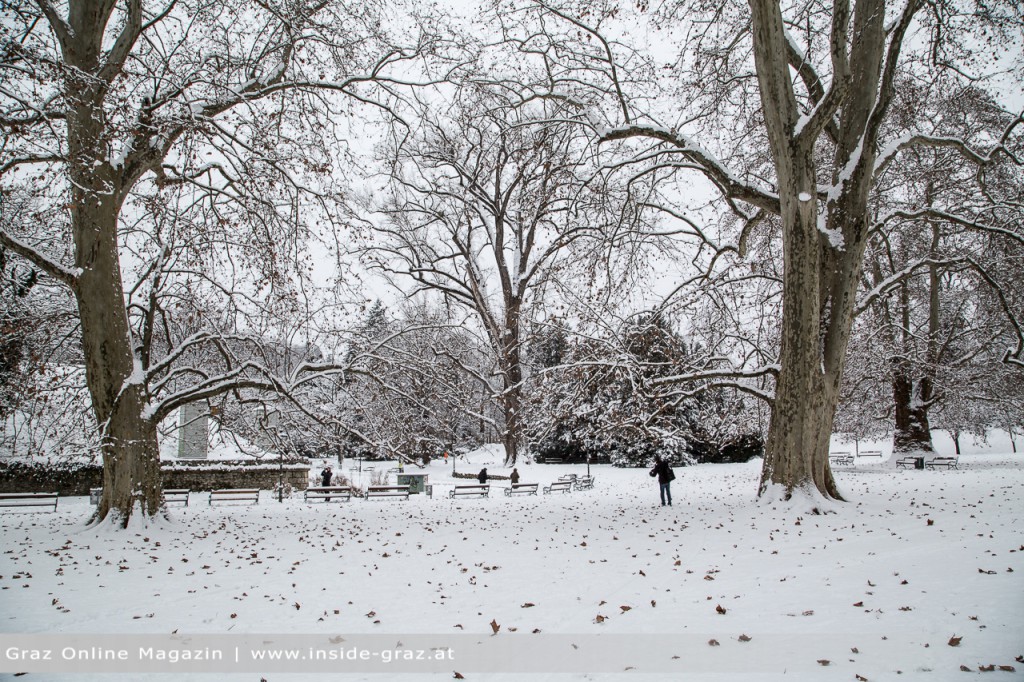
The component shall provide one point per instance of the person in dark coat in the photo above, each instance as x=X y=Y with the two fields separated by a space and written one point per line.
x=325 y=476
x=482 y=476
x=514 y=477
x=665 y=477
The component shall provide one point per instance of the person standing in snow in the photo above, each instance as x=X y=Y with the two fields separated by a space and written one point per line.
x=514 y=477
x=325 y=476
x=665 y=477
x=482 y=476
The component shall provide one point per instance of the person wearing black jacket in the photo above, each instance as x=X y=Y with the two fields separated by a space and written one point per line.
x=665 y=477
x=482 y=476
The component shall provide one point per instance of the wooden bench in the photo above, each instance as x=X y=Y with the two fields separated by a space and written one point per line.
x=551 y=460
x=521 y=489
x=584 y=483
x=480 y=490
x=327 y=493
x=387 y=491
x=177 y=495
x=558 y=487
x=568 y=477
x=235 y=495
x=870 y=454
x=948 y=462
x=841 y=459
x=906 y=463
x=29 y=500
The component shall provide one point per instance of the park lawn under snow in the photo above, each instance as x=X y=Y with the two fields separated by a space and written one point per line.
x=876 y=590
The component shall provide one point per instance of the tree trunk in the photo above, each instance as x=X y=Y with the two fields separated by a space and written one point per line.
x=131 y=466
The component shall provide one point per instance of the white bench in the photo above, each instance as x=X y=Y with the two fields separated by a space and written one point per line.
x=29 y=500
x=558 y=487
x=521 y=489
x=328 y=493
x=480 y=490
x=906 y=462
x=948 y=462
x=387 y=491
x=235 y=495
x=870 y=454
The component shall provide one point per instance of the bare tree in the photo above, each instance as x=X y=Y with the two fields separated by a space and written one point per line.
x=787 y=111
x=103 y=98
x=487 y=201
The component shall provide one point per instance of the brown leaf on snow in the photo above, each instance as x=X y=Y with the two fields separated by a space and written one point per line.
x=859 y=604
x=653 y=603
x=495 y=627
x=720 y=610
x=987 y=668
x=599 y=618
x=824 y=661
x=1008 y=668
x=528 y=605
x=965 y=669
x=458 y=676
x=860 y=678
x=712 y=642
x=744 y=638
x=954 y=641
x=626 y=608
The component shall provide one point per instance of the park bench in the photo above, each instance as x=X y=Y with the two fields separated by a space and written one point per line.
x=328 y=493
x=584 y=483
x=521 y=489
x=29 y=500
x=177 y=495
x=948 y=462
x=480 y=490
x=868 y=454
x=551 y=460
x=558 y=487
x=235 y=495
x=841 y=459
x=568 y=477
x=906 y=463
x=387 y=491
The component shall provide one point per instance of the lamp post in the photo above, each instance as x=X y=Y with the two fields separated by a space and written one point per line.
x=588 y=465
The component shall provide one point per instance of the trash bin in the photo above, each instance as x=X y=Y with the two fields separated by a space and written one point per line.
x=919 y=462
x=94 y=495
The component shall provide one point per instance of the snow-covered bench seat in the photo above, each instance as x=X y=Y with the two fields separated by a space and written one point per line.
x=948 y=462
x=479 y=490
x=841 y=459
x=387 y=491
x=29 y=500
x=558 y=487
x=341 y=493
x=235 y=495
x=584 y=483
x=906 y=462
x=177 y=495
x=522 y=489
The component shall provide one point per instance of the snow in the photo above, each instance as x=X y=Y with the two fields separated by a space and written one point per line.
x=878 y=588
x=804 y=196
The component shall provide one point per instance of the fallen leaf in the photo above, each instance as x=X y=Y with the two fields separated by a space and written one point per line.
x=1008 y=668
x=744 y=638
x=528 y=605
x=954 y=641
x=626 y=608
x=859 y=604
x=965 y=669
x=823 y=661
x=458 y=676
x=720 y=610
x=495 y=627
x=600 y=618
x=712 y=642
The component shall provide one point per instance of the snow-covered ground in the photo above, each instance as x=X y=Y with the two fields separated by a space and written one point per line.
x=877 y=591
